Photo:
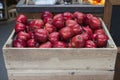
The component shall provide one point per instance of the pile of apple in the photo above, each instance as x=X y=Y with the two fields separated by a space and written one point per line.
x=63 y=30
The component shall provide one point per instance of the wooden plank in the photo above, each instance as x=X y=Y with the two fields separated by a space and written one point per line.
x=118 y=50
x=115 y=2
x=60 y=75
x=106 y=16
x=103 y=59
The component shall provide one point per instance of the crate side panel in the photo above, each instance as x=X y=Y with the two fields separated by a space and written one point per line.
x=61 y=75
x=60 y=58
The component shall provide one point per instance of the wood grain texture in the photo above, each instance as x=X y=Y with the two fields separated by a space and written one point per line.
x=115 y=2
x=60 y=75
x=31 y=15
x=108 y=11
x=118 y=50
x=103 y=59
x=117 y=68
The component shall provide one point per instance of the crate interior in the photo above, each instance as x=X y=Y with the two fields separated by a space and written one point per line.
x=13 y=36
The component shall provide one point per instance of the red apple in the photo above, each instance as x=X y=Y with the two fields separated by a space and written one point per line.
x=90 y=44
x=69 y=45
x=32 y=36
x=19 y=43
x=21 y=18
x=79 y=16
x=50 y=28
x=58 y=16
x=87 y=18
x=95 y=23
x=48 y=20
x=54 y=36
x=70 y=23
x=77 y=29
x=99 y=31
x=67 y=15
x=58 y=24
x=20 y=27
x=86 y=36
x=59 y=44
x=66 y=33
x=93 y=36
x=41 y=35
x=58 y=21
x=31 y=43
x=78 y=41
x=36 y=24
x=46 y=14
x=28 y=28
x=96 y=32
x=46 y=45
x=101 y=40
x=88 y=30
x=23 y=36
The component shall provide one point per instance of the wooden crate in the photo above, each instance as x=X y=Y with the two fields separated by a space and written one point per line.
x=60 y=58
x=60 y=63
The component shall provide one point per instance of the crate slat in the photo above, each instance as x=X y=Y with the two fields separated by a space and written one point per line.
x=60 y=75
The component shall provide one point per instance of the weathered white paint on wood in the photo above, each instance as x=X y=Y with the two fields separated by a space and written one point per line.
x=60 y=75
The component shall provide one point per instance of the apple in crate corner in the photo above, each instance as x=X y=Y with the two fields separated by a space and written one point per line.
x=101 y=40
x=21 y=18
x=20 y=27
x=23 y=36
x=18 y=43
x=90 y=44
x=95 y=23
x=99 y=31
